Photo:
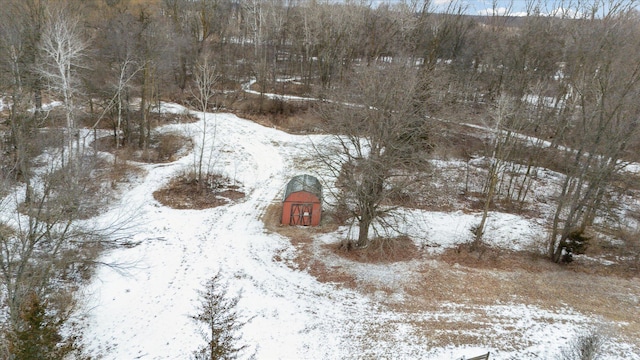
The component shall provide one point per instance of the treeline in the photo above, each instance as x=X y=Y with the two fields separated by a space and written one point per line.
x=570 y=83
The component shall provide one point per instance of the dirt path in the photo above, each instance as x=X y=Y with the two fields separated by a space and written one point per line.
x=142 y=310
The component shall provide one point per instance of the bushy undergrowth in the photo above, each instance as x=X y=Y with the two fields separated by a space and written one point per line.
x=188 y=192
x=587 y=345
x=162 y=148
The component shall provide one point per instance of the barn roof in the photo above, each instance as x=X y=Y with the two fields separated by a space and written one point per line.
x=306 y=183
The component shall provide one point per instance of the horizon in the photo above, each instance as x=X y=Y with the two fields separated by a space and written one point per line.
x=519 y=8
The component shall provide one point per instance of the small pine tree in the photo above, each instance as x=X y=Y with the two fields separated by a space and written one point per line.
x=219 y=321
x=39 y=334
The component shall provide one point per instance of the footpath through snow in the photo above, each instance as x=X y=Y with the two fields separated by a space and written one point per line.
x=140 y=309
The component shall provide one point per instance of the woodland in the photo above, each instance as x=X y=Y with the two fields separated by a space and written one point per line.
x=539 y=112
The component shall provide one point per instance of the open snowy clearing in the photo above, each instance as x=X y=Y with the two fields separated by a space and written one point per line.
x=140 y=309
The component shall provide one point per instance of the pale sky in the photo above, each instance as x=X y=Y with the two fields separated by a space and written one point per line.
x=560 y=8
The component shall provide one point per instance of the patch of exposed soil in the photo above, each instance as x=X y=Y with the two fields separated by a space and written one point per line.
x=184 y=193
x=312 y=258
x=301 y=238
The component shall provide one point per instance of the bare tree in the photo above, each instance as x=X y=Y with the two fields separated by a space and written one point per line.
x=205 y=78
x=598 y=122
x=503 y=141
x=63 y=48
x=255 y=23
x=45 y=249
x=12 y=79
x=118 y=64
x=32 y=248
x=178 y=14
x=381 y=141
x=24 y=23
x=20 y=30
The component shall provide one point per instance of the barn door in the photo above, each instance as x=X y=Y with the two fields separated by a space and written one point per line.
x=301 y=214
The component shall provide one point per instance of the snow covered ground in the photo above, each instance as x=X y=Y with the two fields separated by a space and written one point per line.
x=140 y=309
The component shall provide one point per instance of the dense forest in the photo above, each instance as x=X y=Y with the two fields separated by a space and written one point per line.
x=555 y=91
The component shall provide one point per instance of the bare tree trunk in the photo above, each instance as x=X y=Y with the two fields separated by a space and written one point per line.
x=376 y=142
x=372 y=190
x=63 y=49
x=504 y=142
x=205 y=77
x=142 y=143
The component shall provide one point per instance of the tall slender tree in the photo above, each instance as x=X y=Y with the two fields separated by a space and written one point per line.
x=63 y=49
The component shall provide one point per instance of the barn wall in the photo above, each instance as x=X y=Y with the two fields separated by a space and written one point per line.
x=302 y=197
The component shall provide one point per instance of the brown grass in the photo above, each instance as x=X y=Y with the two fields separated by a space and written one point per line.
x=486 y=257
x=459 y=300
x=294 y=117
x=122 y=172
x=183 y=192
x=472 y=280
x=163 y=148
x=507 y=277
x=302 y=238
x=380 y=250
x=155 y=119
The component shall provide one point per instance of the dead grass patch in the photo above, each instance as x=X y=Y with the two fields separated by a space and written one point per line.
x=294 y=117
x=487 y=257
x=123 y=172
x=163 y=148
x=156 y=119
x=183 y=192
x=379 y=250
x=604 y=257
x=302 y=123
x=522 y=278
x=306 y=257
x=335 y=275
x=475 y=282
x=594 y=262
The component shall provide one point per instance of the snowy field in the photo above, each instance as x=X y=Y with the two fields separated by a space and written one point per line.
x=140 y=308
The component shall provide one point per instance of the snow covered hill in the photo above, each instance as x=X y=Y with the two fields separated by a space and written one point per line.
x=139 y=308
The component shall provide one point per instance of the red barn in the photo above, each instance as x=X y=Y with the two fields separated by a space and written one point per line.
x=302 y=201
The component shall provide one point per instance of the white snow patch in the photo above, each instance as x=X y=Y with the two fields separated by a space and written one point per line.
x=140 y=309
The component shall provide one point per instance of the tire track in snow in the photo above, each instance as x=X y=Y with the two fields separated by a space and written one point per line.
x=146 y=313
x=279 y=297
